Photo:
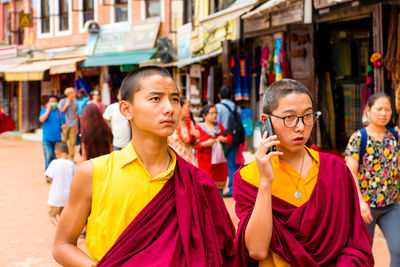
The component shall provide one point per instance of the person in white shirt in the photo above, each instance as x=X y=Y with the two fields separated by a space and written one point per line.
x=120 y=127
x=60 y=173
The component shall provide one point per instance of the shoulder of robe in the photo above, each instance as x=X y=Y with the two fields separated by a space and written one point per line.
x=250 y=173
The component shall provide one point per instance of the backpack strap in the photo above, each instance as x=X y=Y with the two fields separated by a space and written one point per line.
x=363 y=144
x=230 y=110
x=395 y=134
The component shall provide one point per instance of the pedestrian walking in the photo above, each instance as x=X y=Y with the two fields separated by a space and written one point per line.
x=52 y=120
x=210 y=154
x=96 y=99
x=97 y=137
x=372 y=155
x=120 y=127
x=185 y=136
x=297 y=207
x=229 y=116
x=144 y=205
x=70 y=109
x=60 y=173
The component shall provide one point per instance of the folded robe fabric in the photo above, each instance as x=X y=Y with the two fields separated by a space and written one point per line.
x=185 y=224
x=327 y=230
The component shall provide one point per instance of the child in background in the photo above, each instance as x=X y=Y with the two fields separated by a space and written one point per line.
x=60 y=173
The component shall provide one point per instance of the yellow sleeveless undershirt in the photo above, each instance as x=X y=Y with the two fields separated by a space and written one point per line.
x=122 y=187
x=284 y=186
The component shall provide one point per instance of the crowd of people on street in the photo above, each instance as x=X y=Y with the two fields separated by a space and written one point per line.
x=149 y=190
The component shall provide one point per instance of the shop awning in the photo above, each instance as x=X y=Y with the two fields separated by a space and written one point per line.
x=235 y=10
x=122 y=58
x=65 y=65
x=263 y=8
x=9 y=63
x=189 y=61
x=34 y=70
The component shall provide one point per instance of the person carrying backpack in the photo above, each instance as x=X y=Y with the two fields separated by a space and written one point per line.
x=372 y=156
x=229 y=116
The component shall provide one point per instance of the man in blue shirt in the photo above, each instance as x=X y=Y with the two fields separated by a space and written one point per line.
x=52 y=120
x=225 y=96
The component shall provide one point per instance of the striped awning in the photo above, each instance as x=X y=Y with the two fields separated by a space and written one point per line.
x=34 y=70
x=9 y=63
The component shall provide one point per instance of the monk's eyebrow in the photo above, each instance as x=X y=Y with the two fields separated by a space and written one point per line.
x=291 y=111
x=155 y=93
x=175 y=94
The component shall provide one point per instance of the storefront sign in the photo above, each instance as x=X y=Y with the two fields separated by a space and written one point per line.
x=8 y=51
x=258 y=23
x=327 y=3
x=286 y=15
x=142 y=34
x=112 y=38
x=184 y=41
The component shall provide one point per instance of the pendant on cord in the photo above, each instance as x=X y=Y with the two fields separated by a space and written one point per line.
x=297 y=195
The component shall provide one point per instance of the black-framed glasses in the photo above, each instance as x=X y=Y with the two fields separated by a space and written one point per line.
x=291 y=121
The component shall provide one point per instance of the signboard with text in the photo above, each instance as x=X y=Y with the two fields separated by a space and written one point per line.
x=112 y=38
x=327 y=3
x=258 y=23
x=287 y=15
x=184 y=41
x=142 y=34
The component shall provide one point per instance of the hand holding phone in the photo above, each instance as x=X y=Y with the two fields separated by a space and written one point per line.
x=267 y=126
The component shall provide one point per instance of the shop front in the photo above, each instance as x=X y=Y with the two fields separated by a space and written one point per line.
x=278 y=43
x=33 y=82
x=8 y=90
x=351 y=43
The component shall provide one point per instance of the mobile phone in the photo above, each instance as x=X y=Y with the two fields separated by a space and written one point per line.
x=267 y=126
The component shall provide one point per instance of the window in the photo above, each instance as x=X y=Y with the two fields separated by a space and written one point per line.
x=88 y=10
x=63 y=15
x=218 y=5
x=121 y=10
x=45 y=16
x=152 y=8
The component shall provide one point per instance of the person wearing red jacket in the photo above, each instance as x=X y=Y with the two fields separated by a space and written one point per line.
x=212 y=132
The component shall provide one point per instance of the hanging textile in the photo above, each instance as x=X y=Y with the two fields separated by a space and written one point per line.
x=278 y=70
x=243 y=70
x=284 y=61
x=331 y=108
x=392 y=57
x=258 y=52
x=264 y=69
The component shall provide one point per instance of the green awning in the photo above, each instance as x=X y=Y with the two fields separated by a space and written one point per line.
x=115 y=59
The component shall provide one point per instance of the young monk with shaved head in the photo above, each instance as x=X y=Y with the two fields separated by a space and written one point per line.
x=144 y=205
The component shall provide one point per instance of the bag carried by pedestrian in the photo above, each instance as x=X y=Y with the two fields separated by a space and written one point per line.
x=217 y=154
x=235 y=126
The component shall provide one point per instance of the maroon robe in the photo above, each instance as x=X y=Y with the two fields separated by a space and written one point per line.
x=185 y=224
x=327 y=230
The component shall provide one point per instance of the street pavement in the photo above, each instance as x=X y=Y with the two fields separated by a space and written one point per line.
x=26 y=234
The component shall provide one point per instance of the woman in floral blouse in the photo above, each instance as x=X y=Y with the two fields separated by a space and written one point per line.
x=376 y=173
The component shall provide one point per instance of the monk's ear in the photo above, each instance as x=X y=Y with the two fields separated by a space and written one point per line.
x=126 y=109
x=263 y=117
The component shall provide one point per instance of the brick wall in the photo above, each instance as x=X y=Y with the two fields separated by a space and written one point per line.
x=103 y=17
